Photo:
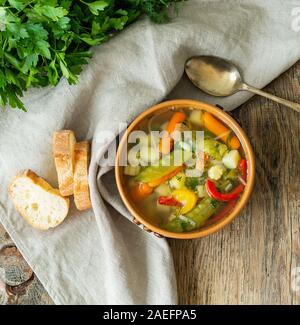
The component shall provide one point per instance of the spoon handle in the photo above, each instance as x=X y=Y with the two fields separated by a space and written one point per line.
x=294 y=106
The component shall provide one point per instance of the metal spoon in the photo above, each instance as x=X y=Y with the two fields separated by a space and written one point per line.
x=219 y=77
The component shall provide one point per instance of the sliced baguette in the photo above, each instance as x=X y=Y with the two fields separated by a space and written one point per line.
x=37 y=201
x=81 y=185
x=63 y=151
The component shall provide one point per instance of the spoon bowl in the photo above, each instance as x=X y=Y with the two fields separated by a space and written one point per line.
x=213 y=75
x=219 y=77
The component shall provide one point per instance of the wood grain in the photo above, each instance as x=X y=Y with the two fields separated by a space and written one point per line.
x=18 y=285
x=250 y=261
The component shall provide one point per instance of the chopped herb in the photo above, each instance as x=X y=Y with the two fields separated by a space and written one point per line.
x=192 y=182
x=214 y=203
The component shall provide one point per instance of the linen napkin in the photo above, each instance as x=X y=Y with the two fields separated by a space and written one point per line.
x=99 y=256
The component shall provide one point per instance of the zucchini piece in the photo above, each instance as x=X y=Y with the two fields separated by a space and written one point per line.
x=195 y=218
x=204 y=210
x=196 y=117
x=132 y=170
x=163 y=190
x=178 y=181
x=231 y=175
x=165 y=166
x=201 y=191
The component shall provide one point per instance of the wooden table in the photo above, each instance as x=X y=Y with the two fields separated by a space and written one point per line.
x=251 y=260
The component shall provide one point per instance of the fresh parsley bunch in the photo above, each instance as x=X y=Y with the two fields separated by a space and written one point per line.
x=43 y=40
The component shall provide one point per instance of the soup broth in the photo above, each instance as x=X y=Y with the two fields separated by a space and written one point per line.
x=186 y=169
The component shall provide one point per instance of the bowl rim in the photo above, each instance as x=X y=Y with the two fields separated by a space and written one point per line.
x=239 y=132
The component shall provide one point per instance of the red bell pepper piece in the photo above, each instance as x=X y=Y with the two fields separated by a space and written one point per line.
x=242 y=167
x=170 y=201
x=215 y=194
x=223 y=213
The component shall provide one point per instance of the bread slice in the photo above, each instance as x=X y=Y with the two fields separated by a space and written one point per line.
x=81 y=185
x=37 y=201
x=63 y=152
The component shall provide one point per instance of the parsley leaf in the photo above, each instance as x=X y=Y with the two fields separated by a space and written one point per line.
x=42 y=41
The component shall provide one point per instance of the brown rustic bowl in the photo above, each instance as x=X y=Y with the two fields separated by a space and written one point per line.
x=138 y=217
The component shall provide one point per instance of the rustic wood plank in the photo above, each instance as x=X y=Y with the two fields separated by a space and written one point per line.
x=250 y=261
x=18 y=285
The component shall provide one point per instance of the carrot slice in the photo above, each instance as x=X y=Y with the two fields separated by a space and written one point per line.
x=177 y=117
x=140 y=191
x=220 y=130
x=166 y=143
x=165 y=178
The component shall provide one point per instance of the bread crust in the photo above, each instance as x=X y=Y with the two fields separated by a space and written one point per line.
x=63 y=152
x=37 y=180
x=81 y=186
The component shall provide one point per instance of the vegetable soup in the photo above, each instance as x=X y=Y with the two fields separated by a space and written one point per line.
x=185 y=169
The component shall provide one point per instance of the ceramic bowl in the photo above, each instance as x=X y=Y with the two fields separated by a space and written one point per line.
x=138 y=216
